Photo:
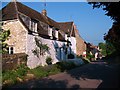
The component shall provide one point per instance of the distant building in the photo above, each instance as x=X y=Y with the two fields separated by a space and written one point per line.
x=93 y=50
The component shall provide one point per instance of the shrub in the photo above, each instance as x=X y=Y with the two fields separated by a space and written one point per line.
x=21 y=70
x=39 y=72
x=86 y=61
x=51 y=69
x=79 y=56
x=71 y=56
x=12 y=75
x=63 y=66
x=49 y=60
x=89 y=56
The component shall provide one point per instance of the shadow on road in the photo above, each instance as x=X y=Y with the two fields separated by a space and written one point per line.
x=43 y=83
x=108 y=74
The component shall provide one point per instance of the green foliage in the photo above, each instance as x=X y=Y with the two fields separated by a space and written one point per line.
x=109 y=48
x=64 y=65
x=112 y=10
x=53 y=69
x=11 y=75
x=49 y=60
x=3 y=37
x=71 y=56
x=89 y=56
x=106 y=48
x=86 y=61
x=102 y=46
x=39 y=72
x=41 y=48
x=21 y=70
x=36 y=52
x=79 y=56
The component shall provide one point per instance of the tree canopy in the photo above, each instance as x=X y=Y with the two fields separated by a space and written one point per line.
x=112 y=10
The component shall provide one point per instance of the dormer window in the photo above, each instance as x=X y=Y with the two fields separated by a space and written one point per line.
x=56 y=34
x=50 y=31
x=33 y=25
x=66 y=37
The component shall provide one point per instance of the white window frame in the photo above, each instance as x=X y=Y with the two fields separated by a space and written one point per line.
x=66 y=36
x=50 y=31
x=10 y=50
x=33 y=26
x=56 y=34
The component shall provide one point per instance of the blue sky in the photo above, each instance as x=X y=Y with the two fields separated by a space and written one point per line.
x=91 y=23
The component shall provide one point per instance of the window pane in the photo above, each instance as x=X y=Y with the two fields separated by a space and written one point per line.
x=11 y=50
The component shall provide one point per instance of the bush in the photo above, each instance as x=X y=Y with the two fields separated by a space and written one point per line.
x=21 y=70
x=49 y=60
x=89 y=56
x=12 y=75
x=39 y=72
x=71 y=56
x=63 y=66
x=86 y=61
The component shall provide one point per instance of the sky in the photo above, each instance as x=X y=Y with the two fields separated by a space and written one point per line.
x=91 y=23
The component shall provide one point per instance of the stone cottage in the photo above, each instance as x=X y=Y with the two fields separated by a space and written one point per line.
x=29 y=27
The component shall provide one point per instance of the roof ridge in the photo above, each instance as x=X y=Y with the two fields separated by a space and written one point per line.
x=66 y=22
x=16 y=7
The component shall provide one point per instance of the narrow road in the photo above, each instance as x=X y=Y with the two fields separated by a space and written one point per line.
x=93 y=75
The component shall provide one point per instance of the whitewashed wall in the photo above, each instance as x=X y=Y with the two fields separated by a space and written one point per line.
x=73 y=42
x=25 y=43
x=34 y=61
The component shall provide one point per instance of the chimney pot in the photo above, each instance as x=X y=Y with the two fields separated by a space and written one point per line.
x=44 y=12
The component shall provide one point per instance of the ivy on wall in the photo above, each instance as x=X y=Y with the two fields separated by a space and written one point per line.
x=41 y=48
x=4 y=34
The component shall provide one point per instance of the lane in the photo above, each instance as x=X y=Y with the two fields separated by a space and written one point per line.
x=93 y=75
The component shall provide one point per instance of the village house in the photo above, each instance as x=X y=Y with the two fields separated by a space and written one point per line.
x=94 y=50
x=29 y=28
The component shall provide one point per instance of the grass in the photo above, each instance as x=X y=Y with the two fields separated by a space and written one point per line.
x=10 y=77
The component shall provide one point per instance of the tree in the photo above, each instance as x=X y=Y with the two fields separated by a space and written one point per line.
x=4 y=34
x=112 y=10
x=106 y=48
x=102 y=47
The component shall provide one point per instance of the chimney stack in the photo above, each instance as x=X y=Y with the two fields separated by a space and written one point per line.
x=44 y=12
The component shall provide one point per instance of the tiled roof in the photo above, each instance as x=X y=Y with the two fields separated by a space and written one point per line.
x=67 y=27
x=13 y=9
x=9 y=12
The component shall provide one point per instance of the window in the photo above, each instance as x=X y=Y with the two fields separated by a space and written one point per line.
x=56 y=34
x=66 y=37
x=10 y=50
x=50 y=31
x=33 y=25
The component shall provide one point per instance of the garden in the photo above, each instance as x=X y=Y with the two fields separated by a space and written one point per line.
x=22 y=73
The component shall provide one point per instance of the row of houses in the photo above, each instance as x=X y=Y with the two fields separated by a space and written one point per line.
x=29 y=28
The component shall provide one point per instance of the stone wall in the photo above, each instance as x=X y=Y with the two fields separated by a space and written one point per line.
x=80 y=44
x=11 y=61
x=17 y=37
